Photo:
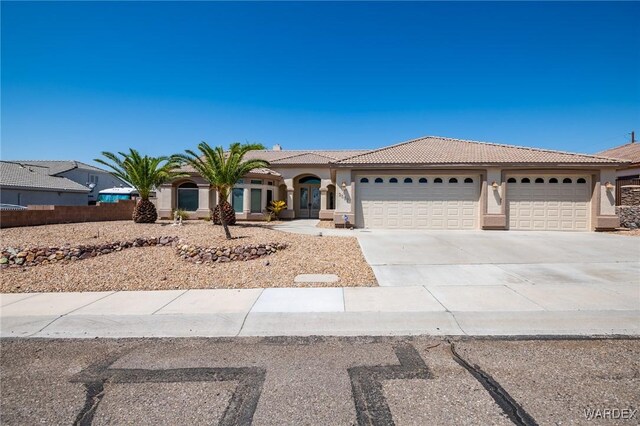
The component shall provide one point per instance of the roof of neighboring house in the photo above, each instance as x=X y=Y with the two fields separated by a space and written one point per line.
x=440 y=150
x=60 y=166
x=15 y=174
x=629 y=151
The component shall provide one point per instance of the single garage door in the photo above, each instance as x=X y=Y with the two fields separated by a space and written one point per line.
x=427 y=202
x=549 y=203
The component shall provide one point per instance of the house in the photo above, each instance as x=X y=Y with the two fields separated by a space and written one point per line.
x=629 y=152
x=63 y=183
x=428 y=183
x=628 y=174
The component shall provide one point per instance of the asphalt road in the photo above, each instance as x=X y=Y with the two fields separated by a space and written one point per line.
x=319 y=381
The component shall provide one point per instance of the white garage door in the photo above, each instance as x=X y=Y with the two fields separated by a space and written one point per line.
x=429 y=202
x=560 y=203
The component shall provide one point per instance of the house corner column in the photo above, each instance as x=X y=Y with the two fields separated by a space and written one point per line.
x=605 y=200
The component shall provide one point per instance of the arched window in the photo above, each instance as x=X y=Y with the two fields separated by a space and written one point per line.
x=525 y=180
x=453 y=180
x=423 y=180
x=364 y=180
x=582 y=180
x=437 y=180
x=468 y=180
x=553 y=180
x=511 y=180
x=378 y=180
x=539 y=180
x=408 y=180
x=310 y=180
x=393 y=180
x=188 y=197
x=567 y=180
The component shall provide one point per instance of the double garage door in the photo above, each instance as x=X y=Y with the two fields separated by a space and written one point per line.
x=548 y=202
x=428 y=202
x=534 y=202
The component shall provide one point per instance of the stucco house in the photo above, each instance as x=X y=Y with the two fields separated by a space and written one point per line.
x=630 y=152
x=61 y=183
x=427 y=183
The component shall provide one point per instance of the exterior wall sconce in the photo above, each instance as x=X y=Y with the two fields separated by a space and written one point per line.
x=609 y=186
x=495 y=185
x=343 y=185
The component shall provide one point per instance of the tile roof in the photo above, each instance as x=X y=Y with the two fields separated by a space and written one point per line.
x=307 y=157
x=60 y=166
x=440 y=150
x=260 y=171
x=630 y=151
x=14 y=174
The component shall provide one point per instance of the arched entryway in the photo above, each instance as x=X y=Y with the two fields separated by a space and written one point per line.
x=308 y=197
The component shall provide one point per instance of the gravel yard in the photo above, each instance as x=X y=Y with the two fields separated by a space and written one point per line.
x=157 y=268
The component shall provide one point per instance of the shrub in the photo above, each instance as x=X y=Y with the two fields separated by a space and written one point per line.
x=181 y=213
x=276 y=207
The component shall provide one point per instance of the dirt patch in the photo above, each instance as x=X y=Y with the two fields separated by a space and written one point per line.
x=159 y=268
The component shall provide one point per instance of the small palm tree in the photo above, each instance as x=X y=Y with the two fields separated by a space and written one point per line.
x=222 y=170
x=144 y=174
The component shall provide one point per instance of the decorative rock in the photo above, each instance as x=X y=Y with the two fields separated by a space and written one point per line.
x=22 y=254
x=4 y=261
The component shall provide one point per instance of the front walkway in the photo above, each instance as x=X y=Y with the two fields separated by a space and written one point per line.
x=319 y=311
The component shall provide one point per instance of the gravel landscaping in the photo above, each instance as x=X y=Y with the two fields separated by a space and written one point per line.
x=157 y=268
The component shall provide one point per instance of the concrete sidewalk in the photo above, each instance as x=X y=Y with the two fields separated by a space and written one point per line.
x=521 y=309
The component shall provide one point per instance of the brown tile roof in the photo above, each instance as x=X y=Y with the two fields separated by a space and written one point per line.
x=630 y=151
x=440 y=150
x=307 y=157
x=260 y=171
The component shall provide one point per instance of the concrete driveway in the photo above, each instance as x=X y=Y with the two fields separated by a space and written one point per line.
x=551 y=270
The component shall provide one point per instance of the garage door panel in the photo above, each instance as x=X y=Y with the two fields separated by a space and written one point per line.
x=549 y=206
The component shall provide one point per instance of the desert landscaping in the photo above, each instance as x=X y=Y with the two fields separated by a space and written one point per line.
x=123 y=255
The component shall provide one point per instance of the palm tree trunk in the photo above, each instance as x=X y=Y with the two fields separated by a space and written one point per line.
x=223 y=220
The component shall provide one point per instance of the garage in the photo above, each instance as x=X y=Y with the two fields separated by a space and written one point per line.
x=548 y=202
x=417 y=201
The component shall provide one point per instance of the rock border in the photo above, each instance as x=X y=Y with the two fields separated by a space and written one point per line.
x=36 y=256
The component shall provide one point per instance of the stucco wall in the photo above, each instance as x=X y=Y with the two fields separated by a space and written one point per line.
x=25 y=197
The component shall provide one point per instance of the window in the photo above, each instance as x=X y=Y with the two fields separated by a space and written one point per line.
x=511 y=180
x=408 y=180
x=269 y=197
x=567 y=180
x=188 y=196
x=310 y=179
x=453 y=180
x=269 y=182
x=364 y=180
x=393 y=180
x=256 y=200
x=378 y=180
x=93 y=179
x=525 y=180
x=239 y=181
x=553 y=180
x=256 y=181
x=581 y=180
x=539 y=180
x=437 y=180
x=332 y=200
x=423 y=180
x=237 y=199
x=468 y=180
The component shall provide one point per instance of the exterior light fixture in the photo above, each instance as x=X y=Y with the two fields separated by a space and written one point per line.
x=495 y=185
x=609 y=186
x=343 y=185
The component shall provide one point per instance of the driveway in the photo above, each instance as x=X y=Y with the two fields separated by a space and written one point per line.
x=551 y=270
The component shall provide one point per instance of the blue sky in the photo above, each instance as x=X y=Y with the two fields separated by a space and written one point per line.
x=82 y=77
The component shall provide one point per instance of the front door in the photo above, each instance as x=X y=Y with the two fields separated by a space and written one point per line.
x=309 y=202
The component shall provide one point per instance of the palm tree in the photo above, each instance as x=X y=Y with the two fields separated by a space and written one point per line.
x=222 y=170
x=144 y=174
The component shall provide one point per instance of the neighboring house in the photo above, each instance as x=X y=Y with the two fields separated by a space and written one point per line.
x=629 y=152
x=427 y=183
x=63 y=183
x=627 y=175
